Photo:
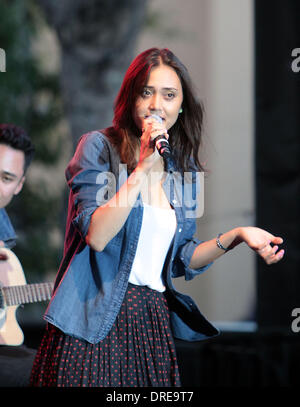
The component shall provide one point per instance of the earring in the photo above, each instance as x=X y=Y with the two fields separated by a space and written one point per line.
x=180 y=110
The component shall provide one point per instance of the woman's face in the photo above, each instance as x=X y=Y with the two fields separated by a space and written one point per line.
x=161 y=96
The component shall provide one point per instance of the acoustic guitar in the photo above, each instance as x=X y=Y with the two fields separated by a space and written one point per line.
x=13 y=292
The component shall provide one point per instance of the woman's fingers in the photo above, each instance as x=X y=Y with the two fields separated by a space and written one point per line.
x=277 y=240
x=153 y=127
x=264 y=243
x=270 y=254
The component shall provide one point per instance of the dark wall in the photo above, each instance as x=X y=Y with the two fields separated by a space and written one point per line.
x=277 y=106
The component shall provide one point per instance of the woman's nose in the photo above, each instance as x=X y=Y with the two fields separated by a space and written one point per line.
x=155 y=103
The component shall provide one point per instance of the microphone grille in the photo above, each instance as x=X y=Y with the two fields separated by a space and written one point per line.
x=156 y=117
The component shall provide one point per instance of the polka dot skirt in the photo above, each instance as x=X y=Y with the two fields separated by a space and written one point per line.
x=139 y=350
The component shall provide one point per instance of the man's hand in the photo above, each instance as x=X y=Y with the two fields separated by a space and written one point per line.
x=3 y=256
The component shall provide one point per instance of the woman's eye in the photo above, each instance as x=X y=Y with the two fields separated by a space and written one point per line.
x=146 y=92
x=170 y=95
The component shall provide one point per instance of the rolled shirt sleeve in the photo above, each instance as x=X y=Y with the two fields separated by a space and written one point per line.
x=89 y=179
x=183 y=260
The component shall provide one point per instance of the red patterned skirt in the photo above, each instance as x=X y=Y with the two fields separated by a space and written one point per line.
x=139 y=350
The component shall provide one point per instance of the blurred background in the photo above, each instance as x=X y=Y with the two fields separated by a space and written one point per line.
x=64 y=65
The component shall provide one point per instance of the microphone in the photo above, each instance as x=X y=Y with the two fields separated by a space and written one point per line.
x=161 y=142
x=163 y=147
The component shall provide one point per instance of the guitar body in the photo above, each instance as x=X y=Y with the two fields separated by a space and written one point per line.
x=13 y=292
x=11 y=274
x=10 y=333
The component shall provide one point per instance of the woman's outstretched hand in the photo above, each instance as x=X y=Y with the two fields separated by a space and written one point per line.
x=260 y=241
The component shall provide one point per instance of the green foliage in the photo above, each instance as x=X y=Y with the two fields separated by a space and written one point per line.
x=30 y=98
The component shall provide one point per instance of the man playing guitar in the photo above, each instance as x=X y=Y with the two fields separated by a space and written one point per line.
x=16 y=153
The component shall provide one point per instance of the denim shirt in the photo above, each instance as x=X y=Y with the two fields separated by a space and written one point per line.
x=90 y=286
x=7 y=233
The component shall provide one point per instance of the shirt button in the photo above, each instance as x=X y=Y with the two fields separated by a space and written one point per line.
x=179 y=230
x=174 y=201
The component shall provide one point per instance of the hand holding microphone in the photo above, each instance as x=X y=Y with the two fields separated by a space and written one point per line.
x=154 y=142
x=161 y=142
x=162 y=145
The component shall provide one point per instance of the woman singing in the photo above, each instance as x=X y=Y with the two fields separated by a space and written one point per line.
x=131 y=221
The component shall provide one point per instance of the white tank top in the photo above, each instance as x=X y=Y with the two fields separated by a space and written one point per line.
x=157 y=231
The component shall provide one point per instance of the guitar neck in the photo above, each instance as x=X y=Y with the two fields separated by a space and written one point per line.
x=24 y=294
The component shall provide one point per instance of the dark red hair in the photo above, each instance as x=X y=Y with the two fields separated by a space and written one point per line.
x=185 y=134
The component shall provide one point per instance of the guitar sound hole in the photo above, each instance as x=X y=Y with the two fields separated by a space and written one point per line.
x=2 y=310
x=2 y=305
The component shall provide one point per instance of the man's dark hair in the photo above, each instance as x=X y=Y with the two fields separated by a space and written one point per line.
x=17 y=138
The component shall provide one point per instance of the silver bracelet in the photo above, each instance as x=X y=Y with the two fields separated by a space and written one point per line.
x=219 y=244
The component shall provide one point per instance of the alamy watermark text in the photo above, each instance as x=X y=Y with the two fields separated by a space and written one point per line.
x=296 y=62
x=2 y=60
